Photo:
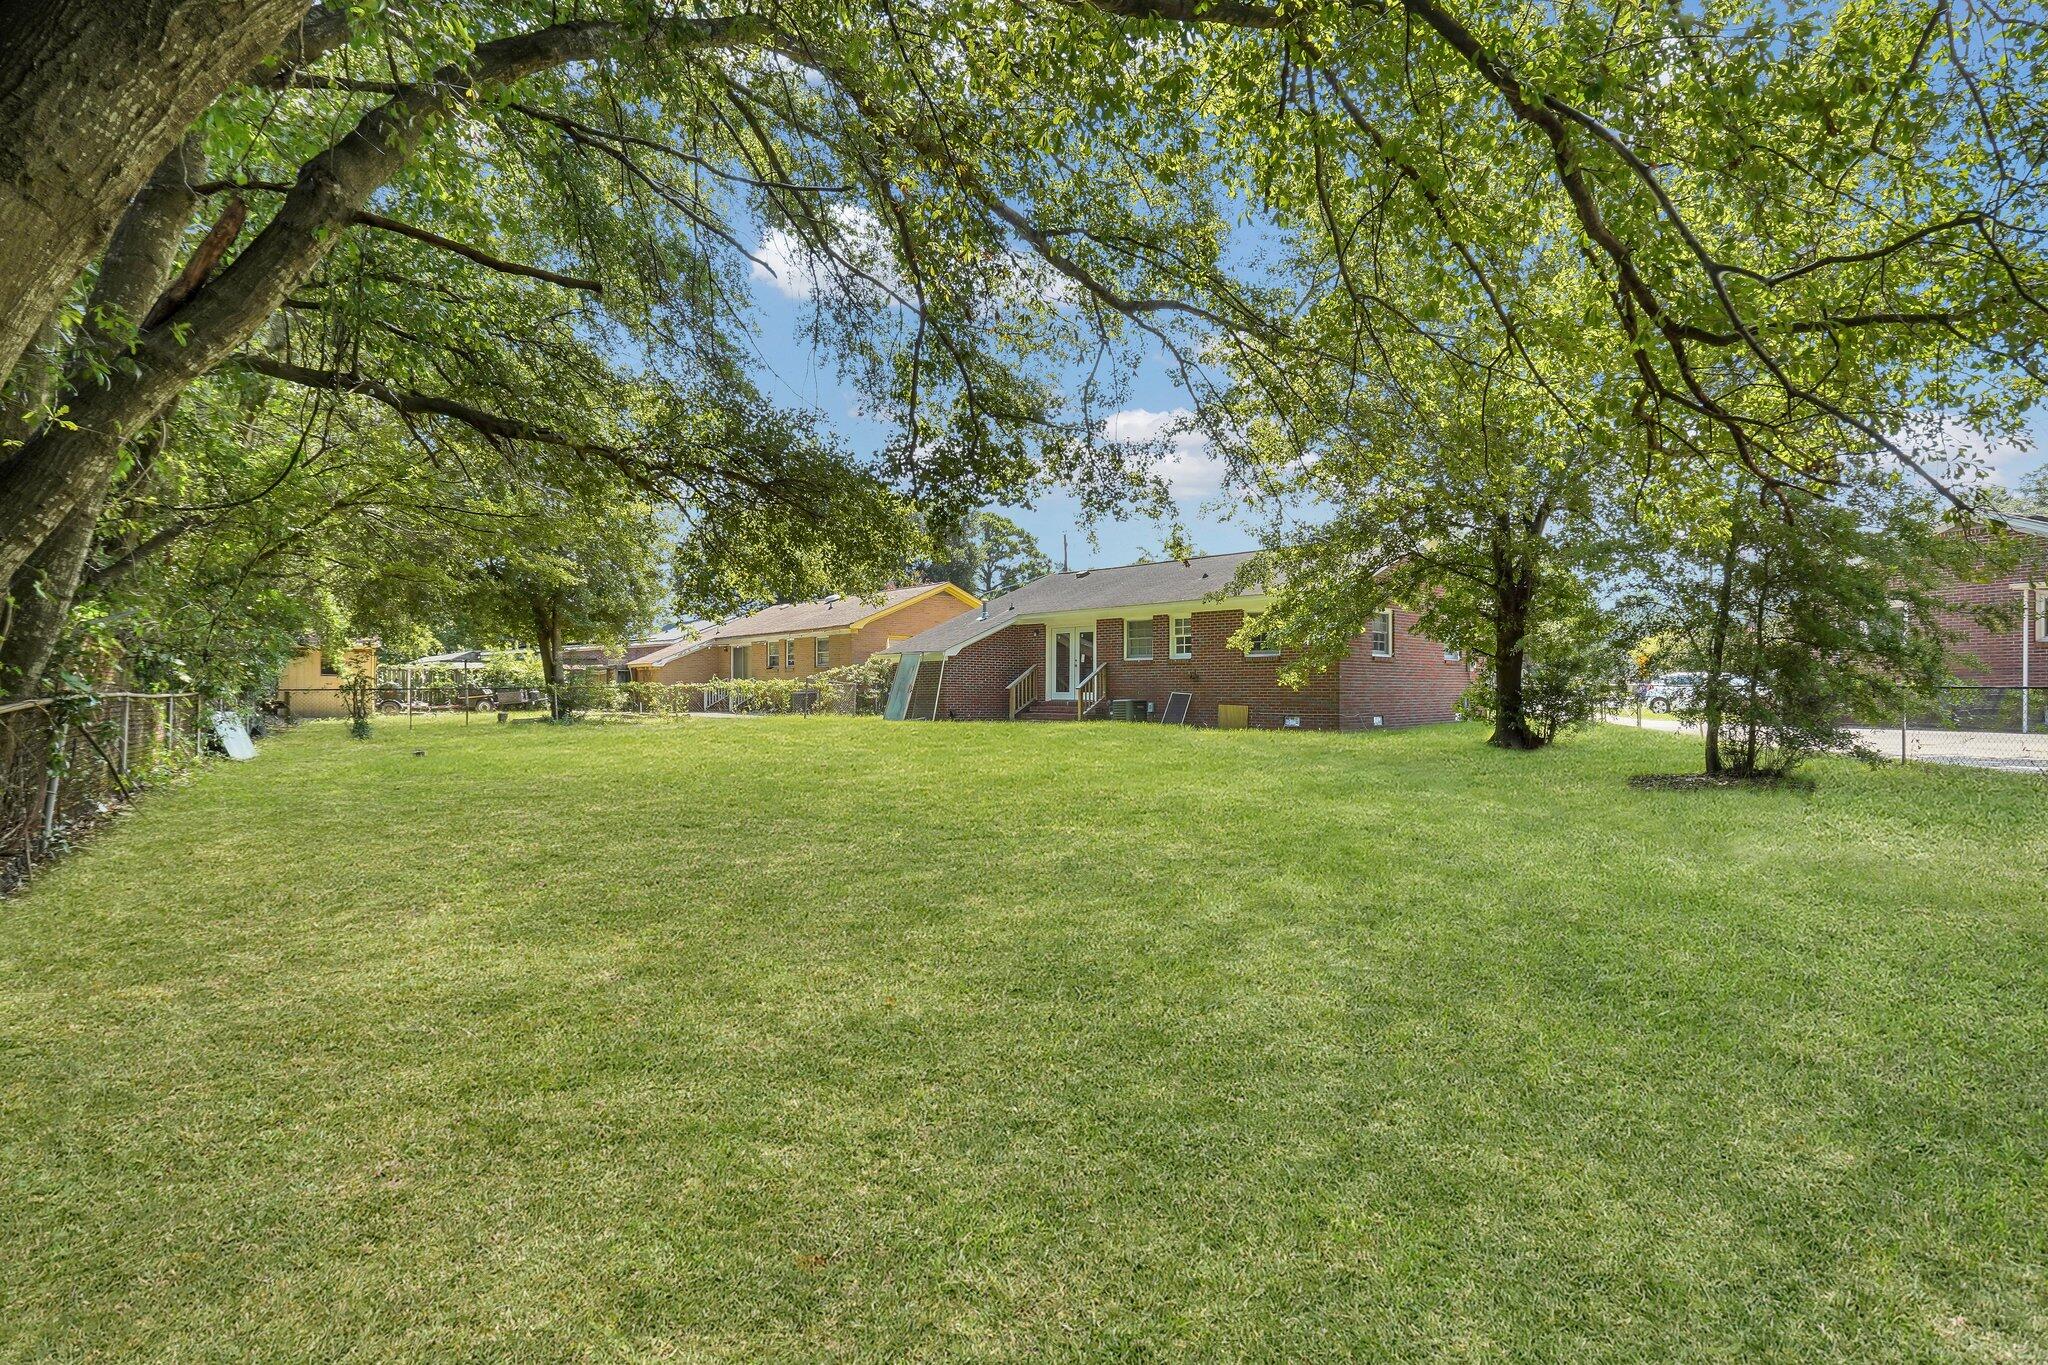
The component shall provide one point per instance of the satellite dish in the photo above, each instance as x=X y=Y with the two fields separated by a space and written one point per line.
x=234 y=739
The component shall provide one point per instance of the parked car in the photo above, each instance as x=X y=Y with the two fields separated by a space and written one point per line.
x=1678 y=691
x=1669 y=691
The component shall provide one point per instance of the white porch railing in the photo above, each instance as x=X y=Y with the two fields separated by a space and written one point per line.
x=1088 y=693
x=1024 y=691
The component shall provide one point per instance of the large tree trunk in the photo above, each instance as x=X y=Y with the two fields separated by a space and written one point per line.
x=59 y=467
x=547 y=633
x=93 y=94
x=1510 y=659
x=132 y=274
x=1717 y=648
x=1513 y=590
x=43 y=591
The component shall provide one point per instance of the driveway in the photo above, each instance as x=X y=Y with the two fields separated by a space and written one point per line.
x=2004 y=752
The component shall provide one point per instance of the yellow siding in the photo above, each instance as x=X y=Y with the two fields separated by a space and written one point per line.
x=311 y=694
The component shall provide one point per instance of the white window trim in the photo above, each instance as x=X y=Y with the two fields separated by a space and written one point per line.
x=1173 y=649
x=1151 y=648
x=821 y=653
x=789 y=655
x=1453 y=656
x=1250 y=629
x=1373 y=629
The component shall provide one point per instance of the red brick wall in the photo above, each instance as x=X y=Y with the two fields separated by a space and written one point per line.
x=1416 y=686
x=1217 y=675
x=1991 y=654
x=977 y=681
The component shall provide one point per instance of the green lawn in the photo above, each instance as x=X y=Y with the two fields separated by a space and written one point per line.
x=835 y=1038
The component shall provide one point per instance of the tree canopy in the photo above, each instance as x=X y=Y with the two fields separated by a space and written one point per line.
x=513 y=245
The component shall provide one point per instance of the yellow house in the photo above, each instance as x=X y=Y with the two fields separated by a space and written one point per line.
x=310 y=686
x=796 y=639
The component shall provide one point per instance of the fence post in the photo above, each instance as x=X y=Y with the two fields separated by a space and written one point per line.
x=1902 y=733
x=126 y=702
x=56 y=781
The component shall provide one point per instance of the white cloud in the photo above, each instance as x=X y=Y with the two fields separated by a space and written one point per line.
x=791 y=270
x=1950 y=447
x=1188 y=466
x=782 y=262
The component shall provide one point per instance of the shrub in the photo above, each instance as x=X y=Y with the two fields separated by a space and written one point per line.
x=657 y=699
x=1572 y=673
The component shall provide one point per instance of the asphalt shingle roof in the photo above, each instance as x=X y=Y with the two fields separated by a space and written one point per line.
x=1125 y=585
x=789 y=618
x=2026 y=522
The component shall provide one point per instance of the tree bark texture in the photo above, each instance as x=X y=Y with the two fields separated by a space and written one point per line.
x=58 y=467
x=93 y=94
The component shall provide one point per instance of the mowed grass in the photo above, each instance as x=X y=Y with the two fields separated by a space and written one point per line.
x=829 y=1038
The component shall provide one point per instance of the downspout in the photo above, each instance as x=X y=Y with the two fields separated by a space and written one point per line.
x=2026 y=652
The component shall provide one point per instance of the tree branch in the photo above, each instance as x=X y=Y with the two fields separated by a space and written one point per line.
x=471 y=253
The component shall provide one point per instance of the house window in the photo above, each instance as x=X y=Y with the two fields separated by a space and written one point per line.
x=1453 y=656
x=1382 y=635
x=1138 y=641
x=789 y=654
x=1183 y=637
x=1257 y=645
x=823 y=658
x=774 y=655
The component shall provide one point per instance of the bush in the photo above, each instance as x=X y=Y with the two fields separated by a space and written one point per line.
x=1573 y=672
x=861 y=688
x=587 y=691
x=657 y=699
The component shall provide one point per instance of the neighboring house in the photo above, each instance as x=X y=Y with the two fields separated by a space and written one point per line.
x=796 y=639
x=585 y=658
x=2014 y=651
x=310 y=686
x=1073 y=643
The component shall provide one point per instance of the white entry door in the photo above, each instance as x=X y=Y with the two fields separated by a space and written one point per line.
x=1069 y=659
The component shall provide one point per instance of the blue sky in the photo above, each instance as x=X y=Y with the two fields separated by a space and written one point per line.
x=798 y=374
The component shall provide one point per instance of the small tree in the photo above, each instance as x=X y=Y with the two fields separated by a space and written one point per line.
x=1574 y=670
x=1808 y=614
x=359 y=694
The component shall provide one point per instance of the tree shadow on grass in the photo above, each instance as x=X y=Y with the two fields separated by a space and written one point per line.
x=1691 y=782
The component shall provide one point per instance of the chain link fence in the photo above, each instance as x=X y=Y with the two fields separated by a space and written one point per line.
x=1964 y=725
x=1970 y=726
x=68 y=762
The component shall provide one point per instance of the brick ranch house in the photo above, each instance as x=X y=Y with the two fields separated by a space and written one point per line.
x=587 y=658
x=2013 y=652
x=796 y=639
x=1072 y=644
